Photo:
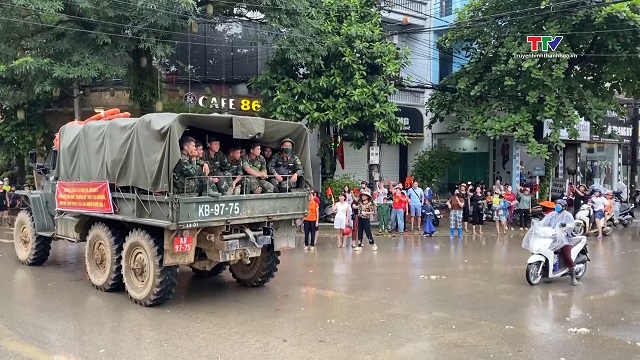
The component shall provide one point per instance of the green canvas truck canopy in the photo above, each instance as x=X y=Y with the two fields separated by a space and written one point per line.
x=143 y=152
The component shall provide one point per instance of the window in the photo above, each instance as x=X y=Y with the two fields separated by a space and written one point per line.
x=446 y=8
x=445 y=62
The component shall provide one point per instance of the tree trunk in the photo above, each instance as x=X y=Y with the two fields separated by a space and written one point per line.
x=549 y=167
x=143 y=81
x=327 y=152
x=21 y=171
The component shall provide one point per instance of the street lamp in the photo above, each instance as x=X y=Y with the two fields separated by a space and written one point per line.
x=21 y=114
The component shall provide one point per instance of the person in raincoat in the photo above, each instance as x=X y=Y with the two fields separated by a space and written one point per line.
x=428 y=211
x=554 y=220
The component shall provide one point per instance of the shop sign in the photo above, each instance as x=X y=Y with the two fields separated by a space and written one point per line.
x=412 y=120
x=618 y=129
x=538 y=171
x=222 y=103
x=559 y=188
x=583 y=127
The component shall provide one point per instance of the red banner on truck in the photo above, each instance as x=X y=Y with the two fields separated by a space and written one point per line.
x=92 y=197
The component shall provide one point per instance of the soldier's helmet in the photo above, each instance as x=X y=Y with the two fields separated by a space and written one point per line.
x=287 y=140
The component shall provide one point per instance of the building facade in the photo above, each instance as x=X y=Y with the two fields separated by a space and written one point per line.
x=406 y=21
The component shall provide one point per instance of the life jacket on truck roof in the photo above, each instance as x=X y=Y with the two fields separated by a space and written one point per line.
x=101 y=116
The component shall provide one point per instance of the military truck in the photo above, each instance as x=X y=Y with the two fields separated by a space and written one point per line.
x=147 y=229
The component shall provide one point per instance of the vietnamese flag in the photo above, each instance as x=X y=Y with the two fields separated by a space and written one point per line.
x=356 y=191
x=329 y=192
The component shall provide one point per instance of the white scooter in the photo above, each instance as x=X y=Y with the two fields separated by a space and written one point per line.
x=585 y=224
x=547 y=262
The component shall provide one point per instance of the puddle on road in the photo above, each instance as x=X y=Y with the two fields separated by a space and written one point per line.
x=604 y=295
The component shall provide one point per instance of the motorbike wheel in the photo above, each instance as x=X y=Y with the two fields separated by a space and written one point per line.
x=607 y=231
x=534 y=273
x=579 y=228
x=436 y=221
x=581 y=269
x=624 y=223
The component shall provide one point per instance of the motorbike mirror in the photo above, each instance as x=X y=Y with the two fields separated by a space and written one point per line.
x=563 y=225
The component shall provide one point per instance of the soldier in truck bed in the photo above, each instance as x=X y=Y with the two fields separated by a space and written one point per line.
x=233 y=169
x=286 y=163
x=267 y=153
x=217 y=161
x=188 y=177
x=255 y=167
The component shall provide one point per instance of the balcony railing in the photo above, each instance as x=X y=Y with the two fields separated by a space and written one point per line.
x=408 y=98
x=408 y=7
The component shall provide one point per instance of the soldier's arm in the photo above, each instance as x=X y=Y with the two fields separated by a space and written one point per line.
x=298 y=169
x=263 y=165
x=271 y=167
x=247 y=168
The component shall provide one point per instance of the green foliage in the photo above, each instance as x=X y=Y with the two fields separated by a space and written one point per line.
x=500 y=93
x=337 y=75
x=337 y=184
x=430 y=165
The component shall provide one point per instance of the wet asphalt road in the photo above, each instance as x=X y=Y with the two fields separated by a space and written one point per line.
x=336 y=304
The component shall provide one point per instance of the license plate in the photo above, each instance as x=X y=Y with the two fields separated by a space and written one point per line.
x=182 y=244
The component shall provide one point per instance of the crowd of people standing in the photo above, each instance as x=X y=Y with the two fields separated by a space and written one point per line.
x=470 y=203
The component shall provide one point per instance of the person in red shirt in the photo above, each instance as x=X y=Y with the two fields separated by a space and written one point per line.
x=317 y=200
x=399 y=209
x=311 y=223
x=510 y=196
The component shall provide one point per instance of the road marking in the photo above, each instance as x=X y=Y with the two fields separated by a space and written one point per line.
x=10 y=341
x=6 y=241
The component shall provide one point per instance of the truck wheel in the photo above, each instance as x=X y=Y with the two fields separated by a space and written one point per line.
x=218 y=269
x=146 y=280
x=31 y=249
x=259 y=271
x=103 y=257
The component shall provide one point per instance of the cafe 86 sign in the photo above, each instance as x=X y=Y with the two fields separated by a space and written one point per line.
x=231 y=104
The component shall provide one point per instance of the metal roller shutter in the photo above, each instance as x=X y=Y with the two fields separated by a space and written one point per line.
x=355 y=162
x=390 y=162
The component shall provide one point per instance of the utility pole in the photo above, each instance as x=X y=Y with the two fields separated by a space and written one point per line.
x=374 y=159
x=635 y=133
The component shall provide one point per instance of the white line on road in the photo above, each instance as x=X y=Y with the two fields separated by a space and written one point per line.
x=6 y=241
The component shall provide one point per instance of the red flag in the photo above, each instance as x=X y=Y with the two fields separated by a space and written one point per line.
x=329 y=192
x=340 y=153
x=356 y=191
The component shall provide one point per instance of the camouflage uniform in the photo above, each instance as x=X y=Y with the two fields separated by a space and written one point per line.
x=260 y=165
x=285 y=166
x=216 y=163
x=233 y=169
x=188 y=178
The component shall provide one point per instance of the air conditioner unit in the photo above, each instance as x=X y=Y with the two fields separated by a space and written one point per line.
x=394 y=39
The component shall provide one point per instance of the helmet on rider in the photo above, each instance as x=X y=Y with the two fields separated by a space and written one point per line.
x=561 y=205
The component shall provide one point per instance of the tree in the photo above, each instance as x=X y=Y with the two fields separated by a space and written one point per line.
x=501 y=91
x=430 y=165
x=338 y=77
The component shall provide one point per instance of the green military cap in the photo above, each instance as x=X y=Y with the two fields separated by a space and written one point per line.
x=287 y=140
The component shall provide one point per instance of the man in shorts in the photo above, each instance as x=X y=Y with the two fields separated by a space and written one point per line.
x=416 y=200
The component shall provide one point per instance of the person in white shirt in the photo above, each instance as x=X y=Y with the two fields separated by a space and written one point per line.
x=599 y=203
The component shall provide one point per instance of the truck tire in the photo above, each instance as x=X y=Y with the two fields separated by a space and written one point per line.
x=218 y=269
x=103 y=257
x=31 y=249
x=259 y=271
x=146 y=280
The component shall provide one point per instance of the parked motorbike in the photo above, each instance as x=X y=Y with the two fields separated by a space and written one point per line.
x=626 y=213
x=328 y=215
x=585 y=222
x=635 y=197
x=546 y=260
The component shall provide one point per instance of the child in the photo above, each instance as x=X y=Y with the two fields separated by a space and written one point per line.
x=384 y=210
x=503 y=212
x=427 y=209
